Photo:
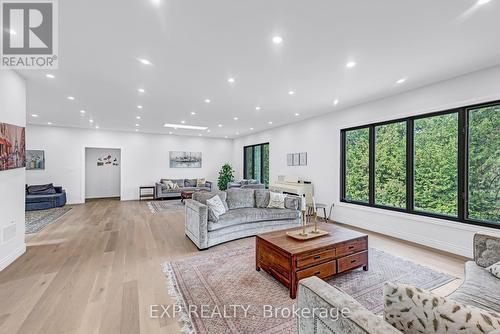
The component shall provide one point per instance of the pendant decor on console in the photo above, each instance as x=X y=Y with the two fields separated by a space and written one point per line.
x=12 y=146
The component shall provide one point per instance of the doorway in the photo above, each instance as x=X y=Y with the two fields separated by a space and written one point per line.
x=102 y=173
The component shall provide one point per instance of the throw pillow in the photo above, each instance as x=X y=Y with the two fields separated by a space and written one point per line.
x=494 y=269
x=200 y=182
x=190 y=183
x=276 y=200
x=415 y=311
x=169 y=184
x=215 y=208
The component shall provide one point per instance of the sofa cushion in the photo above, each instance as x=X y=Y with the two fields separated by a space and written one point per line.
x=190 y=183
x=42 y=189
x=202 y=196
x=292 y=202
x=261 y=198
x=494 y=269
x=276 y=200
x=200 y=182
x=250 y=215
x=240 y=198
x=480 y=289
x=413 y=311
x=486 y=250
x=216 y=208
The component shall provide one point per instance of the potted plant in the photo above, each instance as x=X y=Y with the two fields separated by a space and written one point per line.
x=226 y=175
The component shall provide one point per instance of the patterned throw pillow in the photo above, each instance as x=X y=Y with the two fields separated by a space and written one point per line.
x=276 y=200
x=215 y=208
x=414 y=311
x=494 y=269
x=200 y=182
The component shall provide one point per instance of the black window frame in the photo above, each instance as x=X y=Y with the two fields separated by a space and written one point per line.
x=462 y=161
x=245 y=176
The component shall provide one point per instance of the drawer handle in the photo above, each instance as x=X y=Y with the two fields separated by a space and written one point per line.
x=317 y=257
x=351 y=247
x=352 y=261
x=317 y=273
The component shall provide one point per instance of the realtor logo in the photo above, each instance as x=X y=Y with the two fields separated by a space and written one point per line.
x=29 y=34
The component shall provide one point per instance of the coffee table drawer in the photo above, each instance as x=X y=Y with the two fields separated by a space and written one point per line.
x=321 y=270
x=352 y=261
x=312 y=259
x=352 y=247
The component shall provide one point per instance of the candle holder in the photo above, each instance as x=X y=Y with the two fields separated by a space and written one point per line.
x=315 y=217
x=304 y=223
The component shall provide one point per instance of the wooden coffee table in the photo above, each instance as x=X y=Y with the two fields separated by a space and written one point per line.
x=289 y=260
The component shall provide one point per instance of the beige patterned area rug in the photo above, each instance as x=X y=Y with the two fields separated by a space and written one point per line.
x=221 y=292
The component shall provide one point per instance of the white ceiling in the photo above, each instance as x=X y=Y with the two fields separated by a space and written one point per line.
x=195 y=46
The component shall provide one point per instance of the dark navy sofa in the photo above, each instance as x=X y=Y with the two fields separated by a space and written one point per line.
x=44 y=197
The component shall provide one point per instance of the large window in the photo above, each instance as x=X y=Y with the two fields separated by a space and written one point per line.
x=436 y=164
x=256 y=163
x=356 y=167
x=484 y=163
x=444 y=165
x=390 y=165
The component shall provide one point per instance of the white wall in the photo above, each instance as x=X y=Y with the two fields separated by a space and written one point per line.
x=12 y=111
x=320 y=137
x=104 y=180
x=144 y=157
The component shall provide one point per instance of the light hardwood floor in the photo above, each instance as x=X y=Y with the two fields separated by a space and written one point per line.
x=97 y=270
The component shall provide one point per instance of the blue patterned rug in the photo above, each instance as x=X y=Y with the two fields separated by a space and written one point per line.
x=35 y=221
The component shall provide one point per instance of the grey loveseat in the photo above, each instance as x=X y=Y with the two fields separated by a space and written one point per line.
x=247 y=215
x=480 y=292
x=162 y=191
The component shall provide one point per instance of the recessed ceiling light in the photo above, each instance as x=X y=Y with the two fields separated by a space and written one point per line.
x=291 y=92
x=10 y=31
x=193 y=113
x=34 y=115
x=350 y=64
x=277 y=40
x=483 y=2
x=400 y=81
x=235 y=118
x=157 y=3
x=230 y=80
x=183 y=122
x=220 y=125
x=141 y=90
x=139 y=107
x=199 y=134
x=225 y=137
x=138 y=117
x=97 y=126
x=91 y=120
x=257 y=108
x=137 y=125
x=50 y=76
x=181 y=126
x=82 y=111
x=251 y=129
x=237 y=133
x=49 y=123
x=208 y=130
x=144 y=61
x=136 y=130
x=71 y=98
x=297 y=114
x=269 y=122
x=335 y=102
x=207 y=101
x=170 y=132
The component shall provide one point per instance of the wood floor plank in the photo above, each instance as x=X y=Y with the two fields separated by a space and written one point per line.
x=98 y=270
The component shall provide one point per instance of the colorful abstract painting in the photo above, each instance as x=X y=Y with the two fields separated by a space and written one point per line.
x=12 y=146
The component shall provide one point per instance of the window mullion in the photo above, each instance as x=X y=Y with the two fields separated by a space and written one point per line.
x=462 y=164
x=409 y=165
x=371 y=166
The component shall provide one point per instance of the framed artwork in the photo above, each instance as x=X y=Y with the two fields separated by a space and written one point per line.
x=12 y=146
x=179 y=159
x=107 y=160
x=289 y=159
x=296 y=159
x=303 y=159
x=35 y=159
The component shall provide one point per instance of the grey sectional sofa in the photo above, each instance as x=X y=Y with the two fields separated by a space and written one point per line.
x=162 y=191
x=247 y=215
x=252 y=184
x=480 y=291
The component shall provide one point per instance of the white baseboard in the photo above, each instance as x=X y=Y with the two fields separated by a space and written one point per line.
x=12 y=256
